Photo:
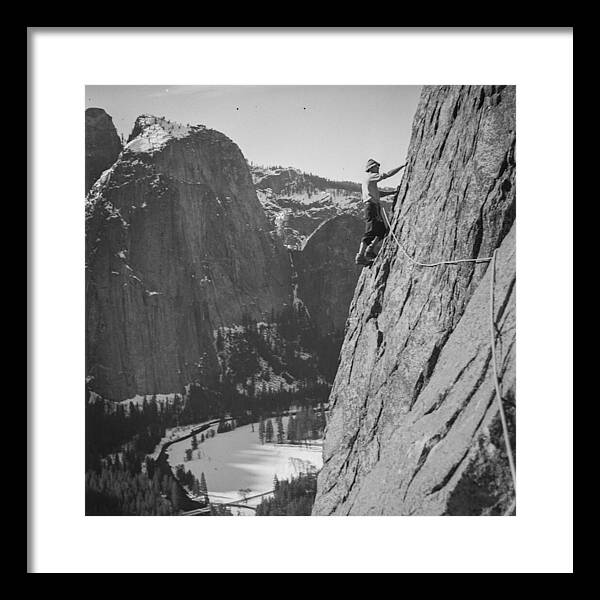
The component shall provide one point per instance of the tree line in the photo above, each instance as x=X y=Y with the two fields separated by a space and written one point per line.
x=124 y=485
x=292 y=497
x=109 y=425
x=120 y=478
x=119 y=436
x=290 y=345
x=305 y=424
x=196 y=486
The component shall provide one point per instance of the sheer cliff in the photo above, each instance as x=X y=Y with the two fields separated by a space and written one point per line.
x=177 y=245
x=327 y=274
x=414 y=425
x=102 y=144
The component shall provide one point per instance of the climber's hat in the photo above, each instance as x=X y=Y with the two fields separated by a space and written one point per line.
x=370 y=164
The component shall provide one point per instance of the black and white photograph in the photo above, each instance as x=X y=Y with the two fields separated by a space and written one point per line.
x=298 y=300
x=336 y=339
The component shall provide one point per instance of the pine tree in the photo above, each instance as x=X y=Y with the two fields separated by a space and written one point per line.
x=176 y=496
x=194 y=442
x=280 y=434
x=203 y=486
x=261 y=431
x=300 y=426
x=196 y=487
x=269 y=431
x=310 y=417
x=291 y=431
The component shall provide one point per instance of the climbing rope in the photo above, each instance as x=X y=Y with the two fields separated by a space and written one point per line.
x=498 y=395
x=435 y=264
x=511 y=460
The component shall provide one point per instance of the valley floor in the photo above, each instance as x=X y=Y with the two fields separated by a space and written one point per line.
x=236 y=460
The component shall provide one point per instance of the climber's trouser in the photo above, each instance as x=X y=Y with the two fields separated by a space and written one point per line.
x=374 y=224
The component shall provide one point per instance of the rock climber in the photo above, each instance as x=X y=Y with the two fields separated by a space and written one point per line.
x=375 y=227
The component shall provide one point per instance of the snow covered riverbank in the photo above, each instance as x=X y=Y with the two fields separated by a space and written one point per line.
x=173 y=433
x=236 y=460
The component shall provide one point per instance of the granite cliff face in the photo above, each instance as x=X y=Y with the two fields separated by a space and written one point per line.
x=177 y=245
x=327 y=274
x=414 y=426
x=296 y=203
x=102 y=144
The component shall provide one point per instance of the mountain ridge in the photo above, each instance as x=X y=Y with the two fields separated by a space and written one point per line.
x=177 y=215
x=175 y=240
x=296 y=203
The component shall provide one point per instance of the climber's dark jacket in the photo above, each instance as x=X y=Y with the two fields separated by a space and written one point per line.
x=374 y=223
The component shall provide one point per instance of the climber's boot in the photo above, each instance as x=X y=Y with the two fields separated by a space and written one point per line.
x=360 y=258
x=371 y=253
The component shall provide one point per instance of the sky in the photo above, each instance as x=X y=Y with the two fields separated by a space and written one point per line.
x=325 y=130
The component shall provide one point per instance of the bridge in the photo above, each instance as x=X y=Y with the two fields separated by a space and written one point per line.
x=236 y=503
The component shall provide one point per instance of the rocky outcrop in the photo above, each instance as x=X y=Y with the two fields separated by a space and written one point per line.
x=177 y=245
x=414 y=425
x=327 y=274
x=102 y=144
x=296 y=203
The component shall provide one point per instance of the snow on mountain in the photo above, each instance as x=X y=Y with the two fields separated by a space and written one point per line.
x=296 y=203
x=177 y=245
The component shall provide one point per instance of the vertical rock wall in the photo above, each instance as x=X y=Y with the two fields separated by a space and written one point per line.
x=177 y=245
x=414 y=428
x=102 y=144
x=327 y=274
